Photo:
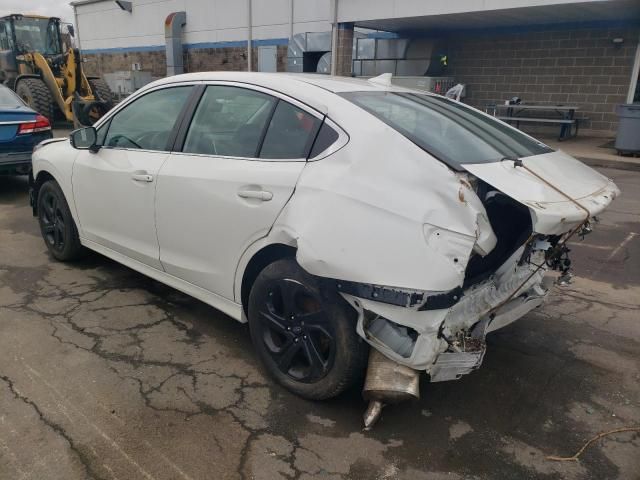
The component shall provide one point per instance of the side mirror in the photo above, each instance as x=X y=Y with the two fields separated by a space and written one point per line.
x=84 y=139
x=71 y=30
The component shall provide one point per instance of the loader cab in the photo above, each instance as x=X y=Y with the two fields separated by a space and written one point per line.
x=24 y=34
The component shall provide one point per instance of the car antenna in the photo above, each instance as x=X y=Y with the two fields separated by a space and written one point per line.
x=383 y=80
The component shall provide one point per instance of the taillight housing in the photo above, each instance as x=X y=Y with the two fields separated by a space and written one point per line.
x=41 y=124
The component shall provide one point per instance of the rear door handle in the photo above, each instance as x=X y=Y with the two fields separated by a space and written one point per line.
x=142 y=177
x=259 y=194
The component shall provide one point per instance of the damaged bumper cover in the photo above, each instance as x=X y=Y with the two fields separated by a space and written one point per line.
x=442 y=333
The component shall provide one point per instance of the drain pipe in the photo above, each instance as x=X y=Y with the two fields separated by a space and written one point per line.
x=291 y=2
x=249 y=37
x=173 y=25
x=334 y=39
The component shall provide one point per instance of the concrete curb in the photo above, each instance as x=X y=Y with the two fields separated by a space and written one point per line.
x=628 y=165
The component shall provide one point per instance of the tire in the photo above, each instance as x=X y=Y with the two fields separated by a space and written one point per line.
x=305 y=335
x=36 y=94
x=56 y=223
x=102 y=91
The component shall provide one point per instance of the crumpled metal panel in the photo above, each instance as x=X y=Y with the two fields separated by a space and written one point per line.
x=483 y=297
x=453 y=365
x=552 y=212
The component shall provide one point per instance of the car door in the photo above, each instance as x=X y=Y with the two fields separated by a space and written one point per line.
x=240 y=159
x=114 y=188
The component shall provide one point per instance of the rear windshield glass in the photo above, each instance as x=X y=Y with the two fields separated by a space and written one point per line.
x=448 y=130
x=9 y=99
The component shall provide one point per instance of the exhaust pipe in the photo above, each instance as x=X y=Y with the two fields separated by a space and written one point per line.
x=387 y=382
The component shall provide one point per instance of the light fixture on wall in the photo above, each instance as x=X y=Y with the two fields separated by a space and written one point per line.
x=124 y=5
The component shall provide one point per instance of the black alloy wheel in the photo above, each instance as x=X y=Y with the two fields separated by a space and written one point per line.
x=304 y=334
x=296 y=332
x=56 y=223
x=52 y=221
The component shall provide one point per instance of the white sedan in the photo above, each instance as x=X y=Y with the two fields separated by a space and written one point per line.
x=332 y=214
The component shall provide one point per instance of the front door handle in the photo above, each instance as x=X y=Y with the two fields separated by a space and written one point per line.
x=142 y=177
x=259 y=194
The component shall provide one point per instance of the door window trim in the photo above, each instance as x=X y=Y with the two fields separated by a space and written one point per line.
x=106 y=120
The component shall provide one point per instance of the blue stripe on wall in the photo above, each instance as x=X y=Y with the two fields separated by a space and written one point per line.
x=190 y=46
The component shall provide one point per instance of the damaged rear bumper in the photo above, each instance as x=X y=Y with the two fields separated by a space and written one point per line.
x=448 y=342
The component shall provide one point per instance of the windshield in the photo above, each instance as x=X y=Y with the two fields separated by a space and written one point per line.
x=8 y=99
x=37 y=34
x=448 y=130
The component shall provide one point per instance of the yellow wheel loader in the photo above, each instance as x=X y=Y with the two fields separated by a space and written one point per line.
x=46 y=72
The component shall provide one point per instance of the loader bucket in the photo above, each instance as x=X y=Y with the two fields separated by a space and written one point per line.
x=87 y=112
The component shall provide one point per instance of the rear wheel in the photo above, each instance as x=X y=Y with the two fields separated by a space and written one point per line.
x=36 y=94
x=56 y=223
x=305 y=336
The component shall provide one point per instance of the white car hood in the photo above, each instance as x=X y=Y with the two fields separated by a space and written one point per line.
x=552 y=211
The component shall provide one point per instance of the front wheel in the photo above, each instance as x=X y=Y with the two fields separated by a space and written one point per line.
x=305 y=336
x=56 y=223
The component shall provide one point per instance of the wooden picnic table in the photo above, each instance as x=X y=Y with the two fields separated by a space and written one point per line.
x=565 y=116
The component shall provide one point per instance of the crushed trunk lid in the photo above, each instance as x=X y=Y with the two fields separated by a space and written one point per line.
x=557 y=188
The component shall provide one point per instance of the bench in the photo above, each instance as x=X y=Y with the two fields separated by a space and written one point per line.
x=564 y=124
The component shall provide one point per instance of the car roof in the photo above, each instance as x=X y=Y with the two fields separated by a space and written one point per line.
x=296 y=85
x=331 y=83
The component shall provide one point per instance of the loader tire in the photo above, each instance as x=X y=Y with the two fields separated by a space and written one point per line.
x=102 y=91
x=37 y=95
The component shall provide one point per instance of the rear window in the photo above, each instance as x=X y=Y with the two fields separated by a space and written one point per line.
x=327 y=136
x=9 y=99
x=448 y=130
x=290 y=133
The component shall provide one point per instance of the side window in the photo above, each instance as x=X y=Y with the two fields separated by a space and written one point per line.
x=290 y=133
x=326 y=137
x=147 y=122
x=5 y=37
x=229 y=121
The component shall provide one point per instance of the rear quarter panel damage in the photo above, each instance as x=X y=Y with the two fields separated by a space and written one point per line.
x=382 y=211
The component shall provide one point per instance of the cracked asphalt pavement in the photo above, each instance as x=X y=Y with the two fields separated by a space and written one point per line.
x=106 y=374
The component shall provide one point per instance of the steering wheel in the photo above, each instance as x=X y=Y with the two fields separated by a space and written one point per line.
x=149 y=139
x=116 y=139
x=23 y=47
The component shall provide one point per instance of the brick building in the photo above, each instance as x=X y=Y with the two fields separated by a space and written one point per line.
x=577 y=65
x=583 y=53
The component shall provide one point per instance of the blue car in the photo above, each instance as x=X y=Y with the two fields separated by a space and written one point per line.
x=21 y=128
